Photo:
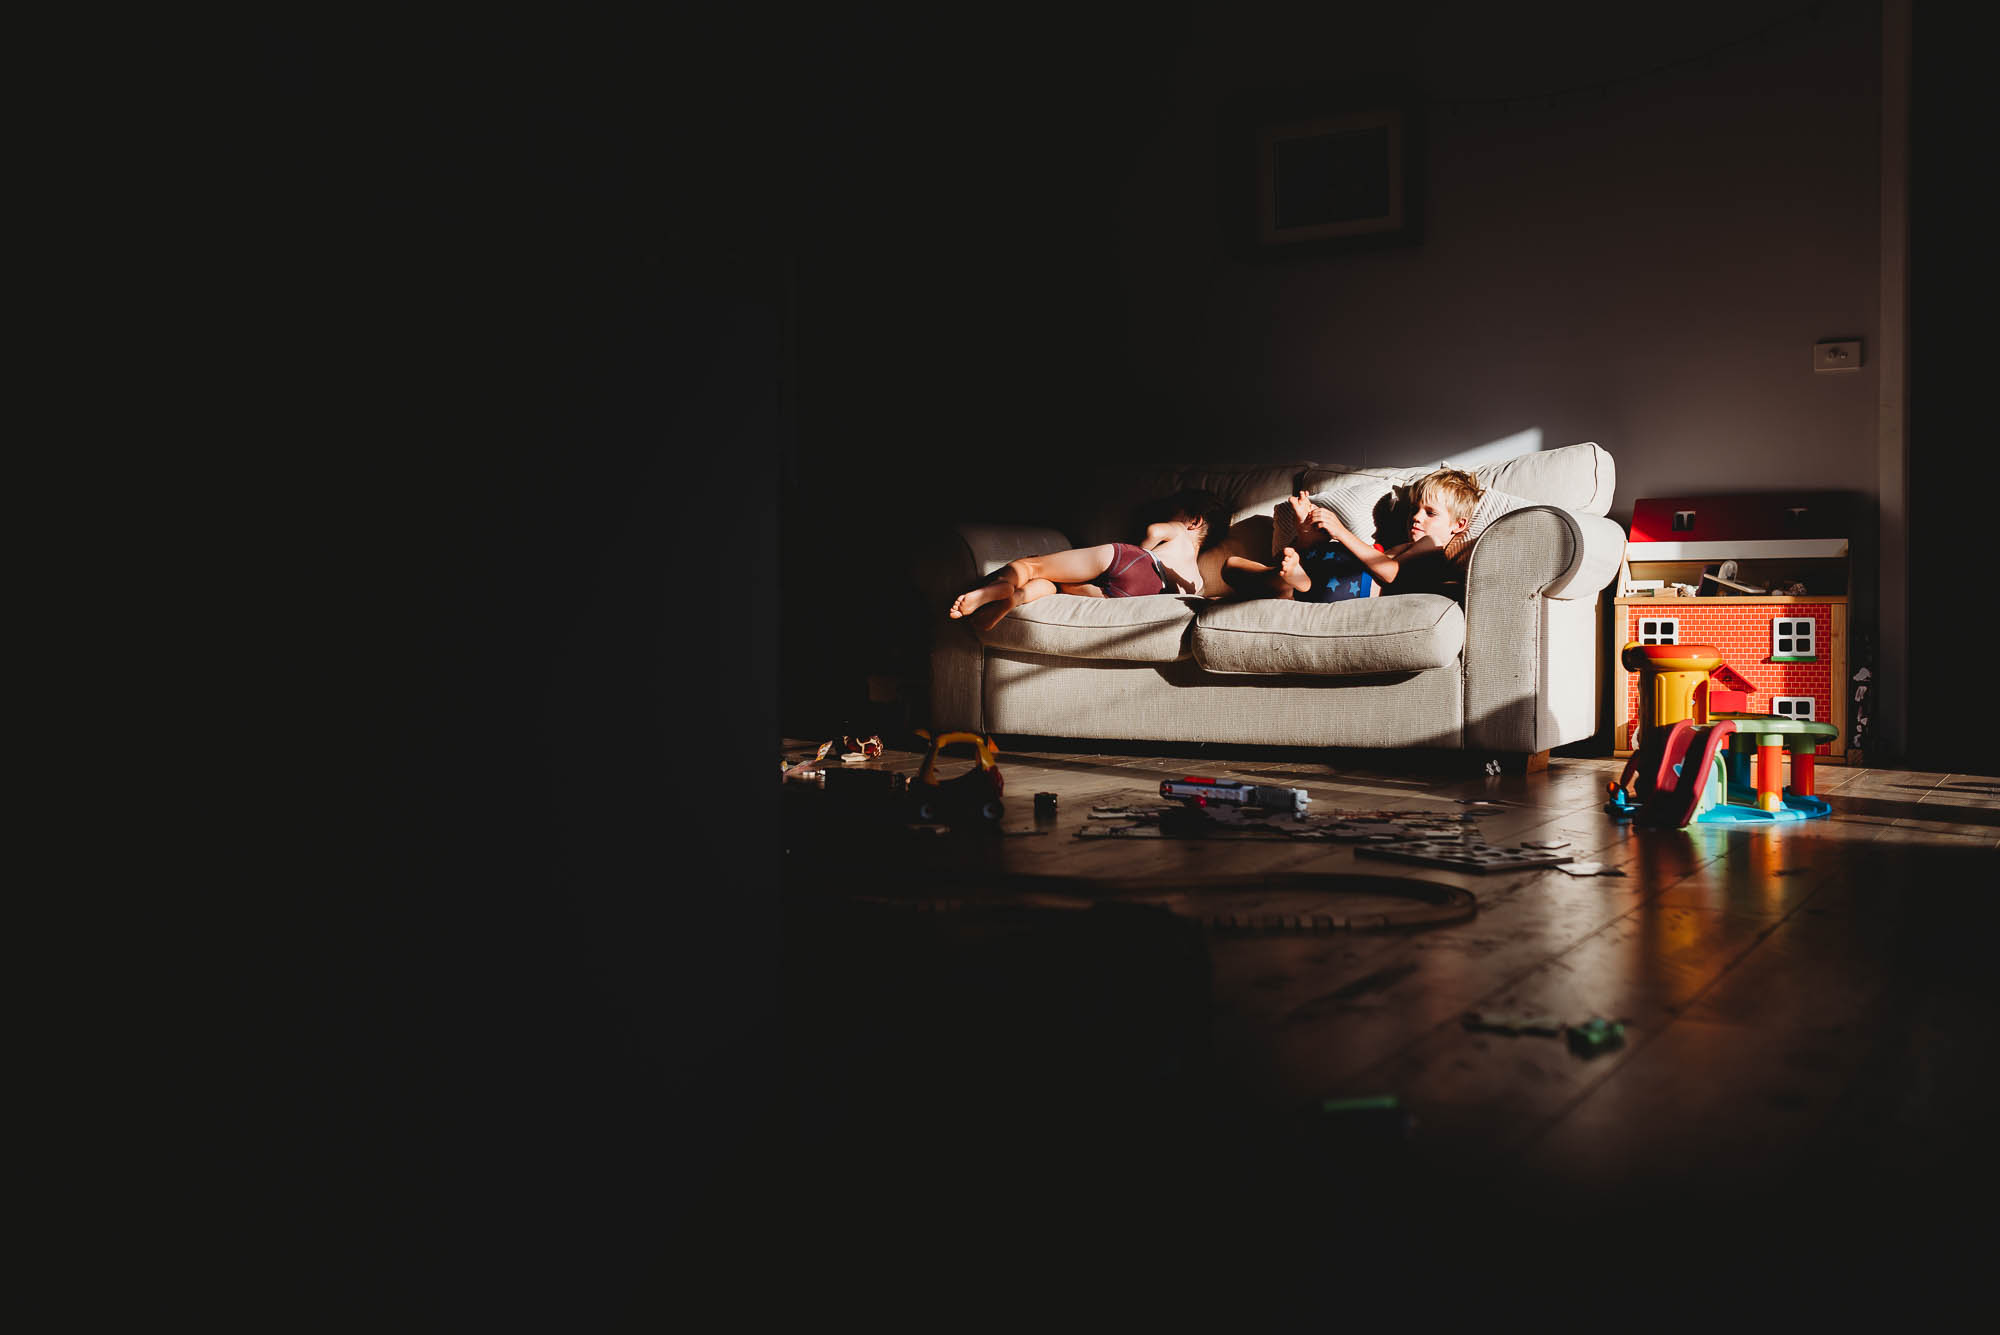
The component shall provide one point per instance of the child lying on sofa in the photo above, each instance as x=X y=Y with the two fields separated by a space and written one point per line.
x=1432 y=561
x=1192 y=552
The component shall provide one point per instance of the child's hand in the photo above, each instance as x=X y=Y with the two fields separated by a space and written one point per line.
x=1316 y=524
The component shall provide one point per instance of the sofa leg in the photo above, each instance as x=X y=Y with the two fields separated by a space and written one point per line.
x=1517 y=762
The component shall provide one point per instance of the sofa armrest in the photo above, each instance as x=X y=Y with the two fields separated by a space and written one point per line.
x=958 y=557
x=1600 y=552
x=1531 y=637
x=955 y=560
x=1545 y=551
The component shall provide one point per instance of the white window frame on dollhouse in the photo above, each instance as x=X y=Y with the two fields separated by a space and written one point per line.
x=1794 y=706
x=1666 y=630
x=1803 y=638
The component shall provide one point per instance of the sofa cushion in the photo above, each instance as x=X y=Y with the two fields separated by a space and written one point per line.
x=1492 y=505
x=1063 y=625
x=1362 y=637
x=1369 y=508
x=1315 y=478
x=1575 y=477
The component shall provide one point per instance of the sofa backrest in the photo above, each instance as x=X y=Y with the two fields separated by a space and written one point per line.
x=1106 y=503
x=1376 y=503
x=1575 y=477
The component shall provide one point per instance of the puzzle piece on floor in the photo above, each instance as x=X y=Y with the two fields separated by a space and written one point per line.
x=1360 y=827
x=1547 y=1026
x=1347 y=834
x=1461 y=855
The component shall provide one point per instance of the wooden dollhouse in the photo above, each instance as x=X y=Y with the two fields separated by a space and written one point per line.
x=1762 y=578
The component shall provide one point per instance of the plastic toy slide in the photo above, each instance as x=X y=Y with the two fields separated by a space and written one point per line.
x=1671 y=796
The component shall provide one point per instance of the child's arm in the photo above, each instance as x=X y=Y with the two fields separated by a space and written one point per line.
x=1384 y=566
x=1253 y=579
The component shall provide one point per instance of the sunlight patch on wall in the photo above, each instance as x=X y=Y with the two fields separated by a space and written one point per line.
x=1495 y=451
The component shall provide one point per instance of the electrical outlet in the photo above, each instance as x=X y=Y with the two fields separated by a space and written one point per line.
x=1837 y=355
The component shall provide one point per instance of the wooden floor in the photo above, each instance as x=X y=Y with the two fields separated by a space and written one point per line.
x=1047 y=1021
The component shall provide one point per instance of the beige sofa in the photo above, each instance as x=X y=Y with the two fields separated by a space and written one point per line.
x=1512 y=672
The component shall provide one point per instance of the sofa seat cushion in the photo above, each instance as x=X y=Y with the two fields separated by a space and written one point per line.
x=1066 y=625
x=1363 y=636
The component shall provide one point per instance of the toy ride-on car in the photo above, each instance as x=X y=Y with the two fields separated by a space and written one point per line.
x=972 y=797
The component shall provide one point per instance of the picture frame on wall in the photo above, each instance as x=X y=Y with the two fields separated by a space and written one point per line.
x=1316 y=171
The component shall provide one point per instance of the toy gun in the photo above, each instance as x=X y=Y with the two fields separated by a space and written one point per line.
x=1205 y=792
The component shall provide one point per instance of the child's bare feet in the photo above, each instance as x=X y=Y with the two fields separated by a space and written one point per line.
x=986 y=604
x=1292 y=572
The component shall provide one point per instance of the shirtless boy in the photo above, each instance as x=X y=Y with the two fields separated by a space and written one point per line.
x=1186 y=554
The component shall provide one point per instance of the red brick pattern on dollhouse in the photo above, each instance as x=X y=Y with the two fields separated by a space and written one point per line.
x=1741 y=633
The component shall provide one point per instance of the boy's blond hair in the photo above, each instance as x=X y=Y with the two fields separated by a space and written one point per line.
x=1454 y=488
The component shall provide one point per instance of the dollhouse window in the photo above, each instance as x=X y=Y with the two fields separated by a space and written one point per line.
x=1792 y=640
x=1792 y=706
x=1659 y=630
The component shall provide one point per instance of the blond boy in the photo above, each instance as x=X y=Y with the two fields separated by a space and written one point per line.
x=1432 y=560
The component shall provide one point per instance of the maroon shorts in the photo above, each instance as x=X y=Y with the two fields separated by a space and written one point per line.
x=1133 y=573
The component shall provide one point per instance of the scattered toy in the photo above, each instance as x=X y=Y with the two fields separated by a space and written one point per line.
x=1589 y=869
x=1680 y=770
x=1595 y=1036
x=972 y=797
x=1203 y=792
x=1493 y=767
x=1045 y=806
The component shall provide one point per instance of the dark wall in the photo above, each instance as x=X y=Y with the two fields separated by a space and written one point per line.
x=959 y=323
x=520 y=294
x=1952 y=726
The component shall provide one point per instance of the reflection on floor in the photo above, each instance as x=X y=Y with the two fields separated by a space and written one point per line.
x=1158 y=1032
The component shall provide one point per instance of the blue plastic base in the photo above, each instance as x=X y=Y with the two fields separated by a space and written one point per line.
x=1794 y=807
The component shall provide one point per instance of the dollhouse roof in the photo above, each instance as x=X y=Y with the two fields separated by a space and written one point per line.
x=1728 y=678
